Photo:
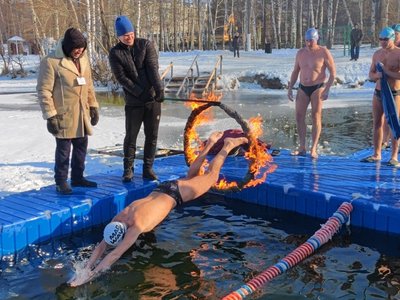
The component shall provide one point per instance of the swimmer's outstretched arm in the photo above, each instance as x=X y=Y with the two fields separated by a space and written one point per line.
x=198 y=162
x=129 y=239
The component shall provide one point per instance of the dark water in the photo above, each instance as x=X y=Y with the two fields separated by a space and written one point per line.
x=347 y=119
x=209 y=248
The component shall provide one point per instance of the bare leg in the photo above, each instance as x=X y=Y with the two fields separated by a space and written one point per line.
x=395 y=143
x=316 y=106
x=198 y=162
x=191 y=188
x=302 y=102
x=377 y=112
x=386 y=134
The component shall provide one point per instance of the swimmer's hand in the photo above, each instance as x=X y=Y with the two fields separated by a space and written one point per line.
x=325 y=94
x=290 y=94
x=81 y=278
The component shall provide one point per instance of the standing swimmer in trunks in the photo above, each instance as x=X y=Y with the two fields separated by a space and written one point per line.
x=389 y=56
x=144 y=214
x=311 y=63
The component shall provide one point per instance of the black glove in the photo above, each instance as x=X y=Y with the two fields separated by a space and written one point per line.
x=52 y=125
x=94 y=116
x=159 y=97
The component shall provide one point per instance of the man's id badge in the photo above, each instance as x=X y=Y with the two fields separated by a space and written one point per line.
x=81 y=80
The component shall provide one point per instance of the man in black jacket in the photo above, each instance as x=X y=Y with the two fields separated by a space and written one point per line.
x=355 y=39
x=134 y=63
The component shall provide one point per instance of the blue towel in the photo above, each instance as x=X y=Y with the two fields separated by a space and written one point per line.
x=389 y=105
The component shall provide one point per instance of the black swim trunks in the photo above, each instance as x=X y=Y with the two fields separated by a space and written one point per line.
x=171 y=189
x=309 y=90
x=377 y=93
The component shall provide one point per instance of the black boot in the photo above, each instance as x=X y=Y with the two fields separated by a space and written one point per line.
x=128 y=170
x=63 y=188
x=83 y=182
x=150 y=149
x=148 y=173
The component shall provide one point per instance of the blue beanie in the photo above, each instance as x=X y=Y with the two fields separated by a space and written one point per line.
x=123 y=25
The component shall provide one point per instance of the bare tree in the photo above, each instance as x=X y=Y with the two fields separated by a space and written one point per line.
x=346 y=8
x=36 y=30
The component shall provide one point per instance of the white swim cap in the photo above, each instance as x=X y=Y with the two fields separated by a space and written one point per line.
x=312 y=34
x=114 y=233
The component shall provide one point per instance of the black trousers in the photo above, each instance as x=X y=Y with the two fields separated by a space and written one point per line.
x=236 y=51
x=149 y=115
x=63 y=150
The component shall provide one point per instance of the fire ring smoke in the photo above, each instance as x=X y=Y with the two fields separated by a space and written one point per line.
x=187 y=142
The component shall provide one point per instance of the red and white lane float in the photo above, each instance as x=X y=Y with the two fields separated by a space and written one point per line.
x=320 y=237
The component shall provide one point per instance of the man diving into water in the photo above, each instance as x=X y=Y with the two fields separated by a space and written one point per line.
x=144 y=214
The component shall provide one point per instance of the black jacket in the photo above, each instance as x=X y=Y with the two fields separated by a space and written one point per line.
x=136 y=69
x=356 y=37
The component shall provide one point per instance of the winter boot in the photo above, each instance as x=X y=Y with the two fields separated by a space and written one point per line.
x=128 y=170
x=150 y=149
x=63 y=188
x=83 y=182
x=148 y=173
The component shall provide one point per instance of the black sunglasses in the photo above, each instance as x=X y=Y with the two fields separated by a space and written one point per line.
x=384 y=39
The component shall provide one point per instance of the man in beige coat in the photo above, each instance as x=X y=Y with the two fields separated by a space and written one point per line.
x=68 y=103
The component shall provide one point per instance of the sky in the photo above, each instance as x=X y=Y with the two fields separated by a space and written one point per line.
x=27 y=149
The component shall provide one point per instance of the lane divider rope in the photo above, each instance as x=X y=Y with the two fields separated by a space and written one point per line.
x=320 y=237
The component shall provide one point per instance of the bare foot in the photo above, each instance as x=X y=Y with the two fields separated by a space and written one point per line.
x=214 y=137
x=299 y=152
x=230 y=143
x=314 y=154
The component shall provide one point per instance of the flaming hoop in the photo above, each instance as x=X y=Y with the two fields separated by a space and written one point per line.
x=257 y=157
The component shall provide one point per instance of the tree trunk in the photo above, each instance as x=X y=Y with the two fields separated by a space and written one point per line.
x=76 y=21
x=299 y=42
x=293 y=23
x=373 y=23
x=36 y=30
x=347 y=12
x=329 y=42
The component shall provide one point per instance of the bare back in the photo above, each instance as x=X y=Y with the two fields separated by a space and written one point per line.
x=312 y=65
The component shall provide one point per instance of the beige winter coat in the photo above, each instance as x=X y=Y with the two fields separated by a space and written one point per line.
x=60 y=94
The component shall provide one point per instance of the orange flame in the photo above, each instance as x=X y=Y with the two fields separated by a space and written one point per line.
x=203 y=118
x=257 y=153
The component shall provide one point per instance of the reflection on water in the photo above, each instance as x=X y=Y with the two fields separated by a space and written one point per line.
x=347 y=124
x=209 y=248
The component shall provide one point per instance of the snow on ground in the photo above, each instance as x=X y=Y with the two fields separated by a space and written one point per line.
x=27 y=149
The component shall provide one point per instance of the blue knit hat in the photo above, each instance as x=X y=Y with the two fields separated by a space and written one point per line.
x=123 y=25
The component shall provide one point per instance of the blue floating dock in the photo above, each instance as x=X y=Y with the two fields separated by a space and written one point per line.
x=312 y=187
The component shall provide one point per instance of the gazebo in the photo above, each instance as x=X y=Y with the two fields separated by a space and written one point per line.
x=16 y=46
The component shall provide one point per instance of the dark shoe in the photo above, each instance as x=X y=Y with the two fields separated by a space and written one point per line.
x=369 y=159
x=84 y=183
x=63 y=188
x=393 y=163
x=128 y=175
x=149 y=174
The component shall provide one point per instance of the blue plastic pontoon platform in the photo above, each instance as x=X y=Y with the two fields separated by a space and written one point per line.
x=311 y=187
